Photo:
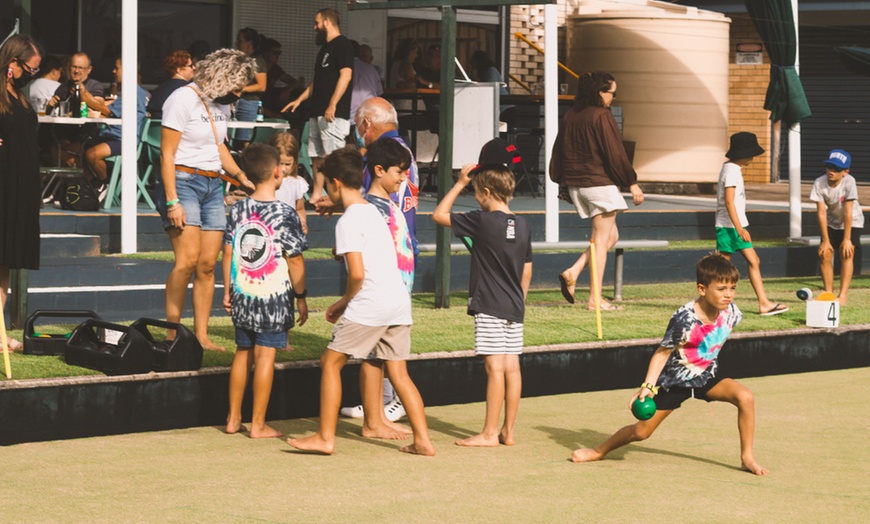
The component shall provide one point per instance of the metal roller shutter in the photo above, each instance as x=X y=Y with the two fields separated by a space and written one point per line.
x=839 y=100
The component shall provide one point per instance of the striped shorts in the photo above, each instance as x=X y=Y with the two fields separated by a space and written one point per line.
x=497 y=336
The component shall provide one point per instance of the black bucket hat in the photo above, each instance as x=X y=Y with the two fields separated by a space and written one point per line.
x=744 y=145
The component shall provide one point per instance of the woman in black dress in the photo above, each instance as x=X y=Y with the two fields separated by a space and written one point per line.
x=19 y=164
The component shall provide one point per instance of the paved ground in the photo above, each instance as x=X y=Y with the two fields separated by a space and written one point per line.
x=811 y=434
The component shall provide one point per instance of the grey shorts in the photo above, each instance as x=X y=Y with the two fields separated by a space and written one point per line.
x=371 y=342
x=592 y=201
x=325 y=137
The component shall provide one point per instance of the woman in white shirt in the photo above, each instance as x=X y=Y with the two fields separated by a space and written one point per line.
x=194 y=157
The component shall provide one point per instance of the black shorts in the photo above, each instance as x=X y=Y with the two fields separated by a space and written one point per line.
x=674 y=396
x=836 y=237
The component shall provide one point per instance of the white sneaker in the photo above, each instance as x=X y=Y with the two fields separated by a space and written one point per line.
x=354 y=412
x=394 y=410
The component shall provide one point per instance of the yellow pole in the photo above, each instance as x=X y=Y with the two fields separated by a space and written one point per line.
x=520 y=82
x=5 y=345
x=520 y=36
x=593 y=269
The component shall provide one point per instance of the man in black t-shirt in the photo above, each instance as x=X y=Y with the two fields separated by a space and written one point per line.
x=329 y=93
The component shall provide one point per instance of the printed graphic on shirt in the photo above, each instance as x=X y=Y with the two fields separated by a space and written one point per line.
x=696 y=346
x=401 y=237
x=261 y=234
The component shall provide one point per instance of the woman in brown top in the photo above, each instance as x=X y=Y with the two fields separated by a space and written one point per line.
x=589 y=158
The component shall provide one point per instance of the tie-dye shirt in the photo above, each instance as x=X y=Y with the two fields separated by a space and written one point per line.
x=695 y=346
x=401 y=237
x=262 y=234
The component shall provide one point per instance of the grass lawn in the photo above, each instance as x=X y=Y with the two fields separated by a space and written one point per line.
x=549 y=320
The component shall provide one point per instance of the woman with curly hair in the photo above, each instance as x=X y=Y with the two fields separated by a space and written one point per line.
x=19 y=164
x=194 y=156
x=589 y=158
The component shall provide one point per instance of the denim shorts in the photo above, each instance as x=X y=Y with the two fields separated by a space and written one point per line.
x=248 y=338
x=246 y=111
x=202 y=199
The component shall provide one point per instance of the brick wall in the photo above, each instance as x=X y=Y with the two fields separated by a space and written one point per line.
x=747 y=87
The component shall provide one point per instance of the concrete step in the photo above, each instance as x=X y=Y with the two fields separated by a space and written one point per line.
x=126 y=289
x=68 y=245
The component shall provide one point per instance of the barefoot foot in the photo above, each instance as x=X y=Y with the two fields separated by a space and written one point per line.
x=479 y=441
x=753 y=467
x=234 y=426
x=585 y=455
x=506 y=437
x=264 y=431
x=419 y=448
x=208 y=345
x=383 y=431
x=314 y=443
x=14 y=345
x=398 y=427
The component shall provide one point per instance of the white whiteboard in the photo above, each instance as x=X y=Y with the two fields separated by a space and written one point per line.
x=475 y=120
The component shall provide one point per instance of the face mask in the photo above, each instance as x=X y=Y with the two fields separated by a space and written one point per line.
x=227 y=99
x=360 y=143
x=22 y=80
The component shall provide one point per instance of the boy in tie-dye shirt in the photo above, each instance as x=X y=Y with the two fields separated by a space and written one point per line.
x=263 y=273
x=685 y=364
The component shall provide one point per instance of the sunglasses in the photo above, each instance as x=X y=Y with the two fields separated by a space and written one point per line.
x=31 y=70
x=835 y=169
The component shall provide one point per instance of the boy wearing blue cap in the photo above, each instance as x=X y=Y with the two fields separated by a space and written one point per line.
x=840 y=221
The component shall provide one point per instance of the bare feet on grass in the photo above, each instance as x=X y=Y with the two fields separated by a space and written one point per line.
x=753 y=467
x=14 y=345
x=398 y=427
x=506 y=437
x=427 y=450
x=208 y=345
x=314 y=443
x=479 y=441
x=234 y=426
x=264 y=431
x=384 y=432
x=585 y=455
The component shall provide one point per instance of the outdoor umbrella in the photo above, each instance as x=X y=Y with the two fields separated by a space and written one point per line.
x=774 y=21
x=855 y=59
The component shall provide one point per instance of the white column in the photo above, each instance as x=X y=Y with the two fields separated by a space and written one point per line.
x=129 y=128
x=551 y=120
x=794 y=149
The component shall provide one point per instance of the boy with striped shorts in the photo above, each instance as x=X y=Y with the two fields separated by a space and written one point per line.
x=501 y=270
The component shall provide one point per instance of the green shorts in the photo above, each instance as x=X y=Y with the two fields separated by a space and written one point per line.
x=727 y=240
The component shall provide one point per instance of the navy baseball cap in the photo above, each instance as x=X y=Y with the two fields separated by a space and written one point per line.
x=839 y=159
x=497 y=152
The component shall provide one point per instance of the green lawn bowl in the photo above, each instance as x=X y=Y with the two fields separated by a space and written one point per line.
x=643 y=409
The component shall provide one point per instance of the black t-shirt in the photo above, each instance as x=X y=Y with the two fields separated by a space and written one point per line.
x=502 y=244
x=159 y=96
x=334 y=56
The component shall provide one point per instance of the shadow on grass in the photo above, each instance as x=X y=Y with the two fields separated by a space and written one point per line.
x=345 y=430
x=452 y=430
x=588 y=438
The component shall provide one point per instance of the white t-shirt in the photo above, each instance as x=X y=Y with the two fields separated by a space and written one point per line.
x=731 y=176
x=184 y=111
x=383 y=300
x=42 y=88
x=835 y=199
x=292 y=189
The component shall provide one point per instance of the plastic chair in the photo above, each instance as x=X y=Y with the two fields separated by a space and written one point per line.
x=150 y=133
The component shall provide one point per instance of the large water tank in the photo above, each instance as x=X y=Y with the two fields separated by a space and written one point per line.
x=671 y=68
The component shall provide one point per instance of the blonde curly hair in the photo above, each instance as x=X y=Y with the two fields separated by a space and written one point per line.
x=223 y=71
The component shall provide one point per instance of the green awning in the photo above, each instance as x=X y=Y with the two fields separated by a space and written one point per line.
x=785 y=98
